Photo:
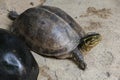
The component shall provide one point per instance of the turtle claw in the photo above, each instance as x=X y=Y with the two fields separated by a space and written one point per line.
x=82 y=65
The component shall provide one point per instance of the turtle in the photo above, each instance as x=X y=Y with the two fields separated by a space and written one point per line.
x=16 y=60
x=51 y=32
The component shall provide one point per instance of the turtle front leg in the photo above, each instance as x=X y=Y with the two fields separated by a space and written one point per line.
x=77 y=55
x=12 y=15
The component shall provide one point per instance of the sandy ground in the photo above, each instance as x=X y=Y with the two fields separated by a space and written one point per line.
x=100 y=16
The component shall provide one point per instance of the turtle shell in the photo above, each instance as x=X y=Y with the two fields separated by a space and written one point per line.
x=16 y=61
x=48 y=30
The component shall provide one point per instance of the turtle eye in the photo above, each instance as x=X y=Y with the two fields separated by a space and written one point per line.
x=90 y=41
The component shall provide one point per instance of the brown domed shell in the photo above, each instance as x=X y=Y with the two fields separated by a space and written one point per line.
x=48 y=30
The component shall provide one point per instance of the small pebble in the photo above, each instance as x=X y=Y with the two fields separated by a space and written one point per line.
x=31 y=3
x=108 y=74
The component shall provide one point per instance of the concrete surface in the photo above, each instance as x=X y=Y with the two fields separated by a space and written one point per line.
x=102 y=16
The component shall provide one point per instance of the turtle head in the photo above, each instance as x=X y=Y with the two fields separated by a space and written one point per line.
x=89 y=41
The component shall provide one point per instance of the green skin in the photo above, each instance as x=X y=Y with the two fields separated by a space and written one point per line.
x=85 y=45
